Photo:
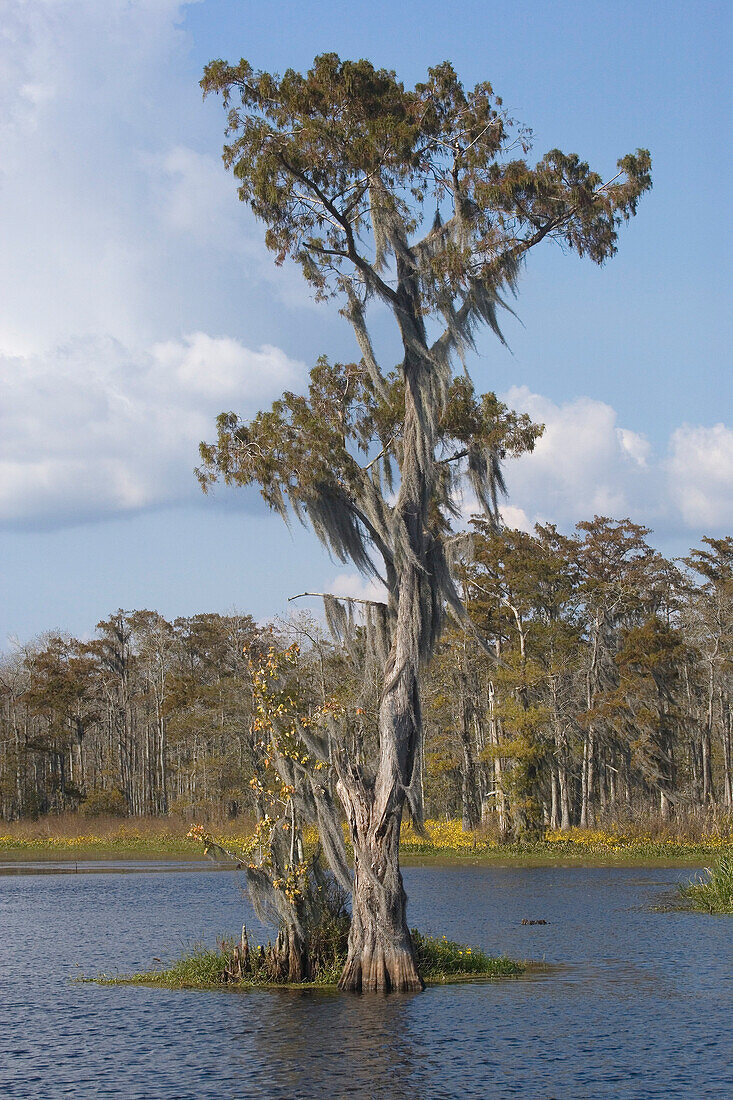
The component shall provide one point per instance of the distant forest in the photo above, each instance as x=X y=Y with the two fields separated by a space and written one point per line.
x=591 y=682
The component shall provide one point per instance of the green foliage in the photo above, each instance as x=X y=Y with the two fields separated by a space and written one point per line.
x=200 y=966
x=712 y=892
x=345 y=152
x=715 y=564
x=305 y=451
x=439 y=960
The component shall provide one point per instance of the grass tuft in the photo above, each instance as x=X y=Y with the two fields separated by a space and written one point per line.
x=198 y=968
x=442 y=960
x=712 y=892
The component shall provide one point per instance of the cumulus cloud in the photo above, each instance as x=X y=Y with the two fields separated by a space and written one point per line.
x=120 y=234
x=193 y=197
x=636 y=446
x=515 y=517
x=581 y=466
x=79 y=99
x=98 y=428
x=117 y=217
x=700 y=472
x=586 y=464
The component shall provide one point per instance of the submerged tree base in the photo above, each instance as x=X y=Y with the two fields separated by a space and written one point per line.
x=439 y=961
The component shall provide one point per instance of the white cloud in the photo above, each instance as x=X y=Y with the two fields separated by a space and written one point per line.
x=700 y=470
x=117 y=217
x=515 y=517
x=581 y=466
x=222 y=368
x=96 y=428
x=634 y=445
x=120 y=234
x=194 y=196
x=585 y=465
x=78 y=98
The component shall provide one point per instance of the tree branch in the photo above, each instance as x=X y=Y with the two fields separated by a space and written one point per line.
x=382 y=453
x=352 y=254
x=342 y=599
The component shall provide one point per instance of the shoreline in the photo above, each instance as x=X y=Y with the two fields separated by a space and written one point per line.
x=123 y=859
x=530 y=970
x=158 y=844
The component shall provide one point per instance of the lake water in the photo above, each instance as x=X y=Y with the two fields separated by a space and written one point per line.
x=642 y=1005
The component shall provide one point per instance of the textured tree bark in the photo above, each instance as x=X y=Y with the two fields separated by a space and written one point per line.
x=380 y=957
x=554 y=799
x=565 y=803
x=589 y=749
x=297 y=961
x=286 y=960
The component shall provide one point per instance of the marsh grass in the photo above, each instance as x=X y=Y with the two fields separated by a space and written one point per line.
x=712 y=891
x=611 y=845
x=637 y=841
x=443 y=960
x=107 y=836
x=439 y=961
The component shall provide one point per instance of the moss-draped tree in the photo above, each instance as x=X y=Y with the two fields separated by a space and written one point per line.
x=419 y=200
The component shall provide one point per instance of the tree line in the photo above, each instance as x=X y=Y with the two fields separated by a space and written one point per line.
x=591 y=681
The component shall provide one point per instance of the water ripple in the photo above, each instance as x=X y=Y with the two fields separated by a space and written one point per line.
x=638 y=1007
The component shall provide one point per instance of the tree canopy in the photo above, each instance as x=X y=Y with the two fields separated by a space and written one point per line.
x=347 y=167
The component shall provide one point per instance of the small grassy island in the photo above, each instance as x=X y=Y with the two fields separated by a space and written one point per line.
x=237 y=966
x=712 y=891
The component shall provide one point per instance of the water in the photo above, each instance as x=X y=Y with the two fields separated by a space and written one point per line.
x=97 y=866
x=640 y=1007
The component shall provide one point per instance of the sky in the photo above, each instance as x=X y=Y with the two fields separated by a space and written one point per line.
x=137 y=299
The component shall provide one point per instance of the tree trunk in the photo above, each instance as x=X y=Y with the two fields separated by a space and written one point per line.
x=469 y=786
x=555 y=798
x=727 y=755
x=665 y=806
x=291 y=957
x=565 y=805
x=584 y=798
x=380 y=956
x=495 y=740
x=706 y=743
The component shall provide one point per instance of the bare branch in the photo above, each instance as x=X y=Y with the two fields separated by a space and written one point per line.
x=342 y=599
x=382 y=453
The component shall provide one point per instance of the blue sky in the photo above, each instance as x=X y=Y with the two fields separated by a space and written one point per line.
x=137 y=299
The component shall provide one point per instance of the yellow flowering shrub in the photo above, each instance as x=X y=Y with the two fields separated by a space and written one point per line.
x=442 y=836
